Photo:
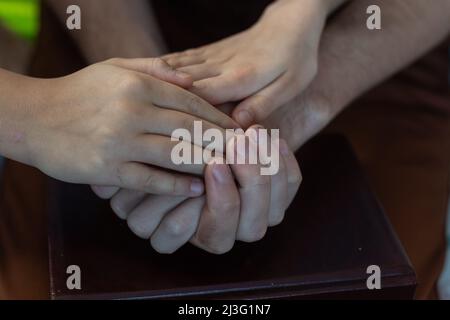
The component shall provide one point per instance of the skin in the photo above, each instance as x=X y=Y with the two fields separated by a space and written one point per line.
x=78 y=130
x=370 y=59
x=240 y=210
x=140 y=42
x=244 y=66
x=130 y=23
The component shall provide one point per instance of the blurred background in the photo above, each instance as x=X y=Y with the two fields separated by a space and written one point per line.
x=20 y=17
x=19 y=27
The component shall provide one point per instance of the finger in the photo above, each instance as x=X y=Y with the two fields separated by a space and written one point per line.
x=293 y=171
x=261 y=104
x=165 y=122
x=278 y=192
x=216 y=90
x=140 y=177
x=218 y=223
x=163 y=152
x=227 y=108
x=200 y=71
x=183 y=60
x=145 y=218
x=178 y=226
x=168 y=96
x=125 y=201
x=104 y=192
x=233 y=85
x=157 y=68
x=254 y=193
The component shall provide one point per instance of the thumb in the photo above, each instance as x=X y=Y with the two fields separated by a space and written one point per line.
x=157 y=68
x=104 y=192
x=252 y=110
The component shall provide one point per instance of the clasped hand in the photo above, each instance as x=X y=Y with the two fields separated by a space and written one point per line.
x=258 y=71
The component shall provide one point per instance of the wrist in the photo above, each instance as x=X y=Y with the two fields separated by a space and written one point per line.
x=295 y=17
x=19 y=109
x=282 y=10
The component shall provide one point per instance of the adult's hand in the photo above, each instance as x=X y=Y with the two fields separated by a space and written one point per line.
x=240 y=209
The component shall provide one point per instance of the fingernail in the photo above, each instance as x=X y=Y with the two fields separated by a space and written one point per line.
x=244 y=118
x=221 y=173
x=197 y=187
x=284 y=148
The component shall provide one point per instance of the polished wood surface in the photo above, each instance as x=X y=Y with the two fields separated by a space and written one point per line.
x=333 y=231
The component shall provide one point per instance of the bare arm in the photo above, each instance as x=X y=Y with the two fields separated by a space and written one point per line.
x=113 y=28
x=354 y=59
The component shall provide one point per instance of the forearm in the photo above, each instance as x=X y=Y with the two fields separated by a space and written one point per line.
x=113 y=28
x=354 y=59
x=19 y=96
x=289 y=11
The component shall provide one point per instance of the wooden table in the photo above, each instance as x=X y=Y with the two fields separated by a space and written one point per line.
x=333 y=231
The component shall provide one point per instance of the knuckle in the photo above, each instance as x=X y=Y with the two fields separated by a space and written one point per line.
x=321 y=112
x=96 y=161
x=225 y=206
x=260 y=180
x=173 y=186
x=129 y=82
x=148 y=181
x=157 y=63
x=245 y=73
x=207 y=238
x=187 y=123
x=175 y=228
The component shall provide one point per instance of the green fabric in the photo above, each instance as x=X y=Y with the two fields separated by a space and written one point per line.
x=20 y=16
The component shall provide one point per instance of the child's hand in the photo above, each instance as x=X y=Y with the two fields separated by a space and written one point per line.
x=111 y=124
x=266 y=65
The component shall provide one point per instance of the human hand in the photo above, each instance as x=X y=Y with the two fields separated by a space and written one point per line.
x=227 y=213
x=266 y=65
x=304 y=116
x=111 y=123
